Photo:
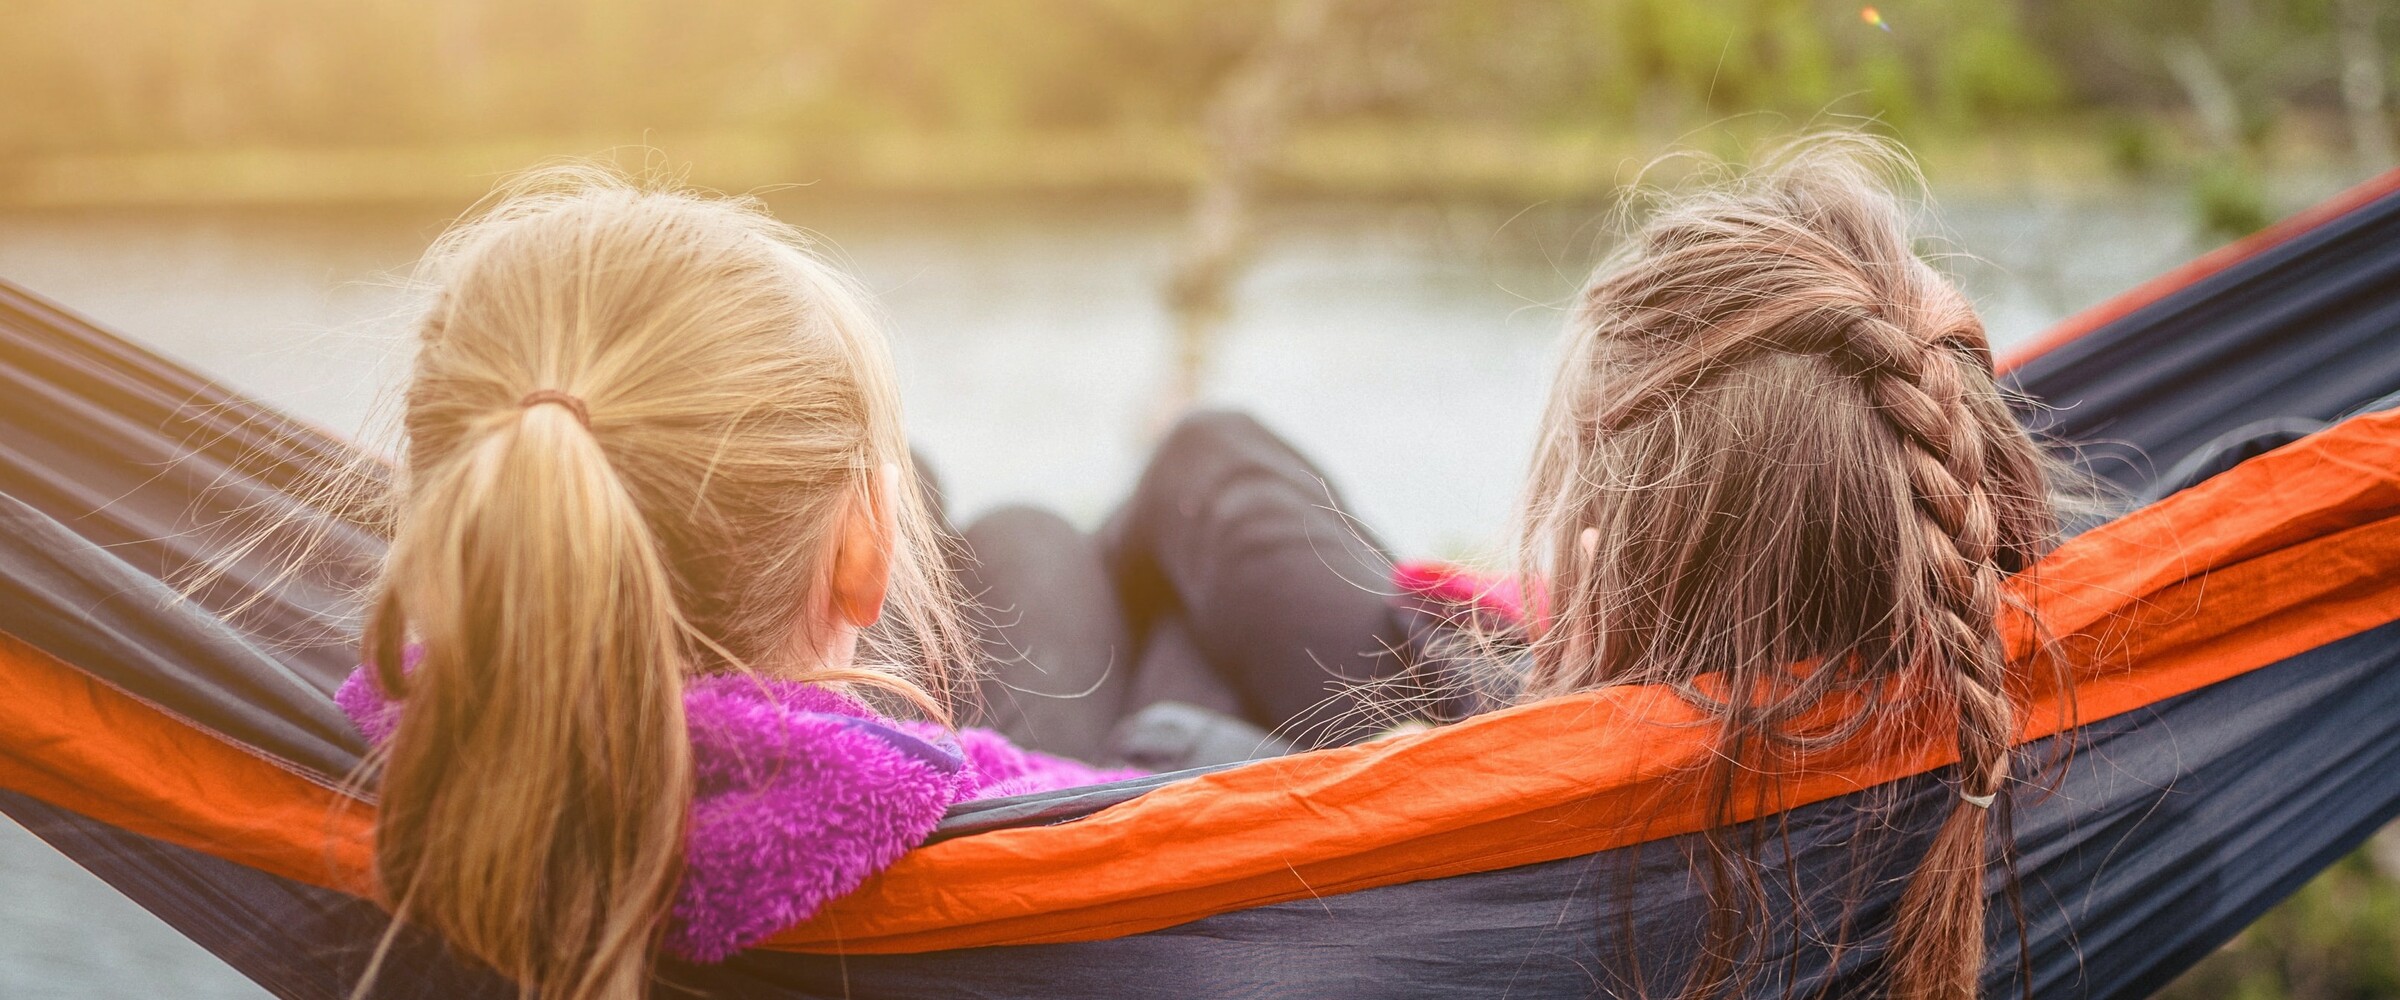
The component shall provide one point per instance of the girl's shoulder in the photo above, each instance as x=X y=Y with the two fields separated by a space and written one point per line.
x=800 y=794
x=740 y=725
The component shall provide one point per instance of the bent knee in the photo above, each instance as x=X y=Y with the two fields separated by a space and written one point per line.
x=1018 y=525
x=1213 y=431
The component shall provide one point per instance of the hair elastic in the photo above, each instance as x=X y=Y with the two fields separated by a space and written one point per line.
x=583 y=414
x=1979 y=801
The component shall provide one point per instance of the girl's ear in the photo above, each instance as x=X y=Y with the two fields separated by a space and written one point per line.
x=862 y=561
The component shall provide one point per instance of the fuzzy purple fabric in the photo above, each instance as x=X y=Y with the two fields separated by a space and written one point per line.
x=801 y=793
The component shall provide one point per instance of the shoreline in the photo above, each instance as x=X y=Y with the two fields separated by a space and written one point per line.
x=1341 y=160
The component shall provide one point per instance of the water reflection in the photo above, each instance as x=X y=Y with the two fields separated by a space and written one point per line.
x=1405 y=346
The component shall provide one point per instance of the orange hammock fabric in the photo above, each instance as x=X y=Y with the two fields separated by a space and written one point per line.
x=2278 y=556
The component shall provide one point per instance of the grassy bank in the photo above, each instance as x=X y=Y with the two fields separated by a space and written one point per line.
x=1352 y=160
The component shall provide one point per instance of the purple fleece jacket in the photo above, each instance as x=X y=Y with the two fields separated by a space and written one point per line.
x=801 y=793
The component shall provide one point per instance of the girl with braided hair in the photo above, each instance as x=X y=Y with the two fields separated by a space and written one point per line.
x=1777 y=474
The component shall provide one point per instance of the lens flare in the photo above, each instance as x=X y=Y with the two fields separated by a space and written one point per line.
x=1874 y=17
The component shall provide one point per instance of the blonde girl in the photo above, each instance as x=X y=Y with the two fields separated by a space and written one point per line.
x=650 y=542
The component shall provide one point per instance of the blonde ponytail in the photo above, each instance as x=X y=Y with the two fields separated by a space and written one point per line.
x=635 y=420
x=534 y=797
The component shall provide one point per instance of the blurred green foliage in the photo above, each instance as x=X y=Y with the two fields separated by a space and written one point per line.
x=2337 y=939
x=91 y=75
x=2229 y=200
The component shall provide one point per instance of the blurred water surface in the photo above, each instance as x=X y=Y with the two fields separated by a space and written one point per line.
x=1404 y=346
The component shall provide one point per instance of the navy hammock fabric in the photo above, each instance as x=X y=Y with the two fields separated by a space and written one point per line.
x=2165 y=830
x=2293 y=327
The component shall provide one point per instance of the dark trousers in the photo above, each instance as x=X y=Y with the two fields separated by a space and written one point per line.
x=1230 y=579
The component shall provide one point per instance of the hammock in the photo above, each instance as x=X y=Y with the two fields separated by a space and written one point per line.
x=2229 y=727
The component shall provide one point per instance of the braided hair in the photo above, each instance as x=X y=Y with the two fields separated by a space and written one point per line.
x=1778 y=475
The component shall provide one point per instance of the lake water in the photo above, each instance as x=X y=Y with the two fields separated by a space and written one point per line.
x=1404 y=346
